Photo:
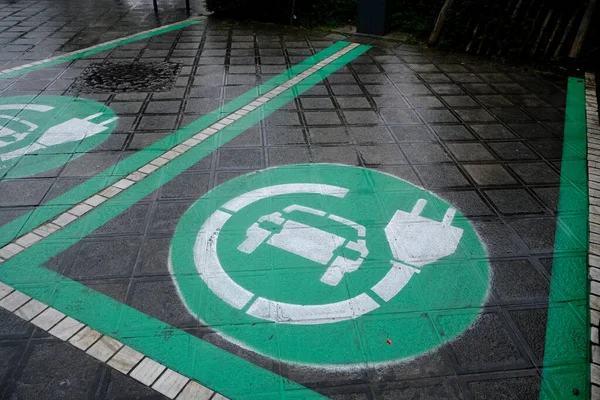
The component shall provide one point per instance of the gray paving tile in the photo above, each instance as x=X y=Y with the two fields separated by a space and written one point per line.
x=399 y=116
x=404 y=172
x=492 y=131
x=240 y=158
x=322 y=118
x=409 y=89
x=328 y=135
x=475 y=115
x=91 y=164
x=447 y=89
x=190 y=185
x=468 y=202
x=120 y=386
x=317 y=103
x=508 y=388
x=282 y=118
x=131 y=221
x=490 y=174
x=437 y=116
x=425 y=153
x=13 y=327
x=514 y=201
x=250 y=137
x=513 y=151
x=550 y=149
x=154 y=122
x=129 y=107
x=538 y=234
x=105 y=259
x=426 y=102
x=160 y=300
x=412 y=133
x=490 y=347
x=470 y=152
x=519 y=281
x=163 y=107
x=531 y=323
x=65 y=360
x=453 y=132
x=535 y=173
x=361 y=117
x=370 y=135
x=24 y=192
x=441 y=175
x=284 y=136
x=381 y=154
x=438 y=389
x=390 y=102
x=336 y=154
x=460 y=101
x=288 y=155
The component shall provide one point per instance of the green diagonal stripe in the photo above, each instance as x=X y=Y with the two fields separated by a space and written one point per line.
x=566 y=373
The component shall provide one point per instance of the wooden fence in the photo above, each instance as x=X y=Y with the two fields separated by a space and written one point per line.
x=508 y=28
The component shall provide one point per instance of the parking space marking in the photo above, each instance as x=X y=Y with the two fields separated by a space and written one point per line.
x=22 y=267
x=565 y=370
x=49 y=62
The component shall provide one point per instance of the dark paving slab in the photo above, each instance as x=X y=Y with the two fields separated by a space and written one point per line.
x=485 y=138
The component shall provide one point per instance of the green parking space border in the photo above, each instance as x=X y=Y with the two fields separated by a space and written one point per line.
x=566 y=365
x=184 y=353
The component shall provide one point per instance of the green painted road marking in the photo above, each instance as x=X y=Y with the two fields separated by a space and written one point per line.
x=111 y=175
x=566 y=353
x=63 y=58
x=328 y=265
x=218 y=369
x=38 y=133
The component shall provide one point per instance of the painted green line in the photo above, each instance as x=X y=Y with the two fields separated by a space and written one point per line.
x=565 y=373
x=49 y=62
x=178 y=350
x=58 y=205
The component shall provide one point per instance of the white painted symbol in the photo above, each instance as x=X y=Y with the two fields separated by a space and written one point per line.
x=73 y=130
x=311 y=243
x=415 y=241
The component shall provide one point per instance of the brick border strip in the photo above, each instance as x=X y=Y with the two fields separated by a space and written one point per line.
x=103 y=348
x=593 y=152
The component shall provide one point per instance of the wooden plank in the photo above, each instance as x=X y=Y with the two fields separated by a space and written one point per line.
x=439 y=23
x=584 y=27
x=565 y=34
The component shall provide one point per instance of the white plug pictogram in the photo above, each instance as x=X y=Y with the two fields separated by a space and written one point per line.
x=72 y=130
x=417 y=241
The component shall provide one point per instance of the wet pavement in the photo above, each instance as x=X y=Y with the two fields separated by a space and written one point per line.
x=484 y=139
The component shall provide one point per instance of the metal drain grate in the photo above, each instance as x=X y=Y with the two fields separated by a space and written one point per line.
x=128 y=77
